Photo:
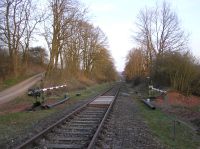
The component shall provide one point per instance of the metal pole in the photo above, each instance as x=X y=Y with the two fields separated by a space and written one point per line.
x=174 y=130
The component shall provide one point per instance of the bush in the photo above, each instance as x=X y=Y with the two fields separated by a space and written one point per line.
x=196 y=83
x=160 y=72
x=136 y=81
x=176 y=70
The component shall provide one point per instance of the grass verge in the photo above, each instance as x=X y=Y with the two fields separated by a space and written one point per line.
x=13 y=81
x=162 y=126
x=88 y=91
x=15 y=124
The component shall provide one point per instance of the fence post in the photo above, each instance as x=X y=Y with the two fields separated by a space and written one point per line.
x=174 y=130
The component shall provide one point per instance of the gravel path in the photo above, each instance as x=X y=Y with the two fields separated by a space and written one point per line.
x=125 y=129
x=17 y=90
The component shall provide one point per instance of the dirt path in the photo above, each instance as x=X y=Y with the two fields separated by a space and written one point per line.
x=17 y=90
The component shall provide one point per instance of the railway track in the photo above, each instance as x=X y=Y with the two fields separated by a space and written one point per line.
x=78 y=130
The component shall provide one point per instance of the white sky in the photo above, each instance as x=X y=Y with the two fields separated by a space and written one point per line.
x=117 y=19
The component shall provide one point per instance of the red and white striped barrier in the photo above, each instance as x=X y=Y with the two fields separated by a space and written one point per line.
x=54 y=87
x=37 y=92
x=155 y=89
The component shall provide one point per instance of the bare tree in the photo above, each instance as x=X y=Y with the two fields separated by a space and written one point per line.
x=159 y=31
x=32 y=20
x=73 y=42
x=170 y=36
x=64 y=14
x=144 y=35
x=13 y=27
x=82 y=46
x=16 y=29
x=93 y=40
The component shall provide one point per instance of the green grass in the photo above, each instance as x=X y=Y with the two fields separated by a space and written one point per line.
x=12 y=81
x=162 y=127
x=89 y=91
x=195 y=109
x=14 y=124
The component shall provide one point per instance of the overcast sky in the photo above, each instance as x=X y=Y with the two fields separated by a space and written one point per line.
x=117 y=19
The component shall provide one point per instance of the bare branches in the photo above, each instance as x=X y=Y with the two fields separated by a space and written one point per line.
x=13 y=27
x=159 y=31
x=19 y=23
x=162 y=45
x=74 y=43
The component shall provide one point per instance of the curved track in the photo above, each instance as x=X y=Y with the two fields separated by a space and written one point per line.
x=78 y=130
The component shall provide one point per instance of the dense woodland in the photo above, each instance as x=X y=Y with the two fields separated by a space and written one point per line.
x=162 y=53
x=75 y=47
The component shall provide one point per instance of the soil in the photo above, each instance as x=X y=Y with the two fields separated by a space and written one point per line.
x=185 y=108
x=15 y=106
x=125 y=128
x=175 y=98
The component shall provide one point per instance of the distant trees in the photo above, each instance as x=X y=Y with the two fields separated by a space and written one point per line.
x=103 y=68
x=162 y=51
x=38 y=55
x=135 y=65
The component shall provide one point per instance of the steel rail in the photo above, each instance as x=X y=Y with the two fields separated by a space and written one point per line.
x=31 y=140
x=95 y=136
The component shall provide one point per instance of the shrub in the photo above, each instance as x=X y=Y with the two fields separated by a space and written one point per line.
x=175 y=69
